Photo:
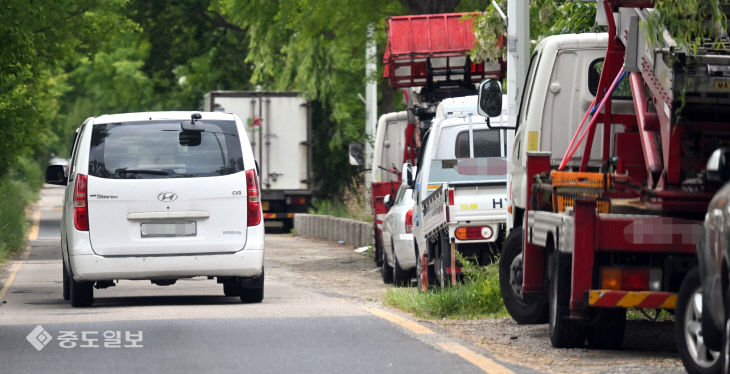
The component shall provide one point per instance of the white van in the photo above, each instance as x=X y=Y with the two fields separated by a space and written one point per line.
x=161 y=196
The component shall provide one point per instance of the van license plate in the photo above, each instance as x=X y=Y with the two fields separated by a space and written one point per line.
x=168 y=229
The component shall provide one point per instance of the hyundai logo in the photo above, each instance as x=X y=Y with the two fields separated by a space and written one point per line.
x=167 y=196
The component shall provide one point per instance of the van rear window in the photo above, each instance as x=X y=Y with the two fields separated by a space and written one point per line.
x=161 y=149
x=486 y=144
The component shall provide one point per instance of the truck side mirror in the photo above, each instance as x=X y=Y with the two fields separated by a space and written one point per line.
x=356 y=152
x=408 y=175
x=388 y=200
x=718 y=166
x=490 y=98
x=56 y=175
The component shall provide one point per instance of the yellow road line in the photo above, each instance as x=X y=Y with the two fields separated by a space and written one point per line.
x=32 y=235
x=400 y=321
x=487 y=365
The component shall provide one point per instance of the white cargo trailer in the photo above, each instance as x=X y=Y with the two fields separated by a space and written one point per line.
x=278 y=126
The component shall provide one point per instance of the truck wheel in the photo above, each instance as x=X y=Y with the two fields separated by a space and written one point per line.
x=66 y=283
x=726 y=340
x=81 y=293
x=424 y=275
x=401 y=278
x=443 y=261
x=564 y=331
x=696 y=356
x=510 y=283
x=386 y=271
x=607 y=330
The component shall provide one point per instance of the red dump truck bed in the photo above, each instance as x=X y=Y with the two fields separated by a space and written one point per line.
x=443 y=40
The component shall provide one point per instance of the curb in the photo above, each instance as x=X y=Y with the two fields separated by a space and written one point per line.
x=349 y=231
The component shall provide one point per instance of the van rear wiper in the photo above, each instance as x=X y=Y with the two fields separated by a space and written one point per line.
x=140 y=171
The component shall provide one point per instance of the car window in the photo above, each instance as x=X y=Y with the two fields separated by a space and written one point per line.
x=525 y=102
x=161 y=149
x=486 y=144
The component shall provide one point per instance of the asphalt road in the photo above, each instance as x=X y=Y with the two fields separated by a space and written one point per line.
x=192 y=327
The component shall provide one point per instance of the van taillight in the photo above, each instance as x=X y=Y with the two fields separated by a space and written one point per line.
x=254 y=198
x=409 y=221
x=81 y=206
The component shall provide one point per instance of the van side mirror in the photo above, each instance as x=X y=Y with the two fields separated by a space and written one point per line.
x=718 y=166
x=357 y=154
x=388 y=200
x=490 y=98
x=56 y=175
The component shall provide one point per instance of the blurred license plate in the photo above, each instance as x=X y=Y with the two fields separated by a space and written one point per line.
x=265 y=205
x=168 y=229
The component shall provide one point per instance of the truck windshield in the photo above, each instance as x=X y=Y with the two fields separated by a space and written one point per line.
x=480 y=169
x=160 y=149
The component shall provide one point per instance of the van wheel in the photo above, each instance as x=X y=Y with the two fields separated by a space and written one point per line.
x=66 y=285
x=81 y=293
x=510 y=283
x=696 y=356
x=401 y=278
x=253 y=294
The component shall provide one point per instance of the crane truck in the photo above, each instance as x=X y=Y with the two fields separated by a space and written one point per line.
x=610 y=217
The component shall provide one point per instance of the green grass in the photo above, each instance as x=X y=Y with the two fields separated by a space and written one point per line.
x=478 y=296
x=18 y=187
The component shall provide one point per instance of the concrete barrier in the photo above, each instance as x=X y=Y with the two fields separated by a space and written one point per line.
x=350 y=231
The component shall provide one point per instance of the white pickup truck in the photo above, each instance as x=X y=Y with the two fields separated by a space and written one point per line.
x=460 y=191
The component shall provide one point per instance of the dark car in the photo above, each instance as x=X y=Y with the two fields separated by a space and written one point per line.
x=714 y=259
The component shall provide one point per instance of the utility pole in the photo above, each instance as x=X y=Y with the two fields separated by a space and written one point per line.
x=371 y=99
x=518 y=52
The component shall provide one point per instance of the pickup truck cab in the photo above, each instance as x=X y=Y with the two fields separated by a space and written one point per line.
x=463 y=163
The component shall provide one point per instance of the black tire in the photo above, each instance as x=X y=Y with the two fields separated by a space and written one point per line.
x=378 y=248
x=429 y=277
x=564 y=331
x=230 y=288
x=607 y=329
x=66 y=283
x=287 y=226
x=697 y=358
x=401 y=278
x=726 y=337
x=81 y=293
x=521 y=311
x=250 y=295
x=386 y=271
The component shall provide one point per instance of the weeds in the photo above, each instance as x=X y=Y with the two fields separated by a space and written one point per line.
x=18 y=188
x=478 y=296
x=354 y=203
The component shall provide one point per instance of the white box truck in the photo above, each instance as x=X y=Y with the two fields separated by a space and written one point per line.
x=279 y=127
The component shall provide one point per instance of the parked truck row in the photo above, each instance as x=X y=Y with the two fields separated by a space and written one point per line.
x=593 y=200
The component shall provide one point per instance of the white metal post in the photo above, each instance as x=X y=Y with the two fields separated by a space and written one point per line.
x=371 y=99
x=518 y=52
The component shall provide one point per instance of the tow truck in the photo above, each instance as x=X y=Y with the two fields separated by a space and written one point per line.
x=610 y=217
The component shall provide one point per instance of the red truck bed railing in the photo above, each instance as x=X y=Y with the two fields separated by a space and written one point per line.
x=433 y=43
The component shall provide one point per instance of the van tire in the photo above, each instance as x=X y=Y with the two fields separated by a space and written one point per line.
x=81 y=293
x=255 y=294
x=66 y=283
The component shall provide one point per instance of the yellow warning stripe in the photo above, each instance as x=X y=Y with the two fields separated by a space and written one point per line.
x=630 y=299
x=670 y=302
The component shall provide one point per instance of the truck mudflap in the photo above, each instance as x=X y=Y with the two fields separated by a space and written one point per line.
x=632 y=299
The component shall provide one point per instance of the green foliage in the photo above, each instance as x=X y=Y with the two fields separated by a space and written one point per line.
x=477 y=297
x=19 y=188
x=353 y=203
x=689 y=22
x=547 y=17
